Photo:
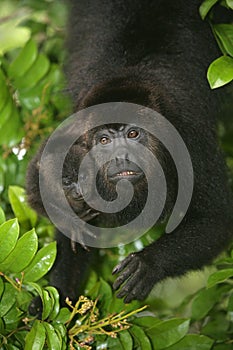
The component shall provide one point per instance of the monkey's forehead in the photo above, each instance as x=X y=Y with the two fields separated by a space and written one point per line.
x=114 y=126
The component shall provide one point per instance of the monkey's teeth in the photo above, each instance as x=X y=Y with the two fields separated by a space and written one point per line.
x=125 y=173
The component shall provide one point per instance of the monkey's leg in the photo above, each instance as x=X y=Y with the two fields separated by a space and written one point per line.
x=70 y=268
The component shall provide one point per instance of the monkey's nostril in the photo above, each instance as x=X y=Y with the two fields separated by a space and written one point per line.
x=118 y=161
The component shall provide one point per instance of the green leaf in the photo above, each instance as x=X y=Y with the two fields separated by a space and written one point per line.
x=19 y=205
x=1 y=287
x=229 y=307
x=36 y=337
x=4 y=93
x=217 y=326
x=23 y=299
x=54 y=295
x=36 y=72
x=24 y=60
x=126 y=340
x=52 y=338
x=206 y=6
x=47 y=304
x=43 y=91
x=7 y=299
x=12 y=317
x=46 y=300
x=220 y=72
x=225 y=34
x=219 y=277
x=61 y=331
x=103 y=291
x=168 y=332
x=193 y=342
x=146 y=321
x=9 y=121
x=41 y=263
x=223 y=347
x=205 y=301
x=9 y=233
x=122 y=342
x=22 y=254
x=230 y=3
x=11 y=35
x=118 y=304
x=63 y=315
x=140 y=338
x=2 y=216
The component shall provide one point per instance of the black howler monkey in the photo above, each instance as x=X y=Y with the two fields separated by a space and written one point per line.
x=153 y=53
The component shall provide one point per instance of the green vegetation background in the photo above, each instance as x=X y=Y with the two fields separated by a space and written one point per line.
x=195 y=312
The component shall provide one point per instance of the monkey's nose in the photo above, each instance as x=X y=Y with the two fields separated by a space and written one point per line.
x=124 y=157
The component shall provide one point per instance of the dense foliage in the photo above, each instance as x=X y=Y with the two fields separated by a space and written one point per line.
x=33 y=101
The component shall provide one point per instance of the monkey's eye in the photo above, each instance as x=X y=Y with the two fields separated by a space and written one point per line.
x=105 y=140
x=66 y=181
x=133 y=134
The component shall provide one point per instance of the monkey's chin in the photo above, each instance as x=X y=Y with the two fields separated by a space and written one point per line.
x=129 y=175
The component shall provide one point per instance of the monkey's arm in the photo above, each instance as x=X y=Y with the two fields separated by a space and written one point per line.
x=205 y=231
x=191 y=246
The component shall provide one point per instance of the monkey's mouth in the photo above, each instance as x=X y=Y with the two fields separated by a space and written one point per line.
x=129 y=175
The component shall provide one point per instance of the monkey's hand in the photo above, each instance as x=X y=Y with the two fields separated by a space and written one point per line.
x=136 y=277
x=88 y=215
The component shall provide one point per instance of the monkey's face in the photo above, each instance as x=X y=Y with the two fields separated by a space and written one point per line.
x=120 y=142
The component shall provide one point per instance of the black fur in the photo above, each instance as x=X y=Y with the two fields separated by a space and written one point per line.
x=154 y=53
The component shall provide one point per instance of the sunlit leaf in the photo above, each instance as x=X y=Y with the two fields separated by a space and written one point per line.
x=19 y=205
x=7 y=299
x=12 y=36
x=52 y=338
x=54 y=295
x=63 y=316
x=9 y=232
x=24 y=61
x=22 y=254
x=167 y=333
x=206 y=6
x=10 y=129
x=219 y=277
x=206 y=299
x=140 y=338
x=2 y=216
x=225 y=34
x=230 y=3
x=36 y=72
x=36 y=337
x=193 y=342
x=1 y=287
x=41 y=263
x=220 y=72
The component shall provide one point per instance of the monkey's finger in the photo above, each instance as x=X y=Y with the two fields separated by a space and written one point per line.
x=128 y=290
x=123 y=264
x=124 y=275
x=89 y=233
x=89 y=216
x=139 y=292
